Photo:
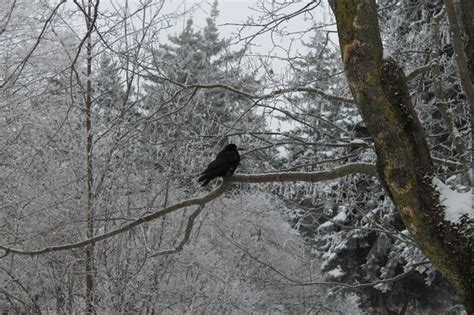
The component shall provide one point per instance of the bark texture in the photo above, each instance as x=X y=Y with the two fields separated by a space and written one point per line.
x=459 y=52
x=467 y=17
x=404 y=164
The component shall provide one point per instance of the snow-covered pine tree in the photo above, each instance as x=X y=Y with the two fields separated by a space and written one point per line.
x=197 y=119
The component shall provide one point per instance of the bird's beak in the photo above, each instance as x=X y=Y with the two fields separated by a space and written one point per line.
x=241 y=149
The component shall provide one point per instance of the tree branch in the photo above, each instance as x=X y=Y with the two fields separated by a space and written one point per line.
x=363 y=168
x=419 y=70
x=297 y=282
x=15 y=74
x=272 y=94
x=187 y=234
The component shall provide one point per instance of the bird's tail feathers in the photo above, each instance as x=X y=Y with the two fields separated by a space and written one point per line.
x=204 y=180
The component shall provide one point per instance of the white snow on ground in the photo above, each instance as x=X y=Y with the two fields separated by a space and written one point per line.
x=456 y=204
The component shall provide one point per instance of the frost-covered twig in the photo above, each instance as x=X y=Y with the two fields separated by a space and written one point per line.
x=297 y=282
x=441 y=102
x=15 y=74
x=272 y=94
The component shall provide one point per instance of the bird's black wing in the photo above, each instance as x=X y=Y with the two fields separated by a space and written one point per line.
x=230 y=161
x=224 y=165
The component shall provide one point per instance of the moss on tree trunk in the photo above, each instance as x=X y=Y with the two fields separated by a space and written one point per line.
x=467 y=16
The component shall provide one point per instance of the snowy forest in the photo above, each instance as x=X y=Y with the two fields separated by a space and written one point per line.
x=354 y=190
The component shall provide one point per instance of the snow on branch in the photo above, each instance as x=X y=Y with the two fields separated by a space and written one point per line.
x=456 y=205
x=362 y=168
x=15 y=74
x=272 y=94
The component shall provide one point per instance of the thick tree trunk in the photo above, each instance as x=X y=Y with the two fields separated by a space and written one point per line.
x=459 y=52
x=403 y=159
x=467 y=18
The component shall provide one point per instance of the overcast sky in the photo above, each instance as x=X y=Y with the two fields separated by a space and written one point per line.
x=238 y=11
x=270 y=49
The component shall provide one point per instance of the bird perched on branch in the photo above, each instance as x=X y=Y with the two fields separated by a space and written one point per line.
x=224 y=165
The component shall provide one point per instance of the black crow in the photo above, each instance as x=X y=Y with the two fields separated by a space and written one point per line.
x=224 y=165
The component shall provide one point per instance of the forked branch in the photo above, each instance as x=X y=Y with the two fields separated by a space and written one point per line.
x=361 y=168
